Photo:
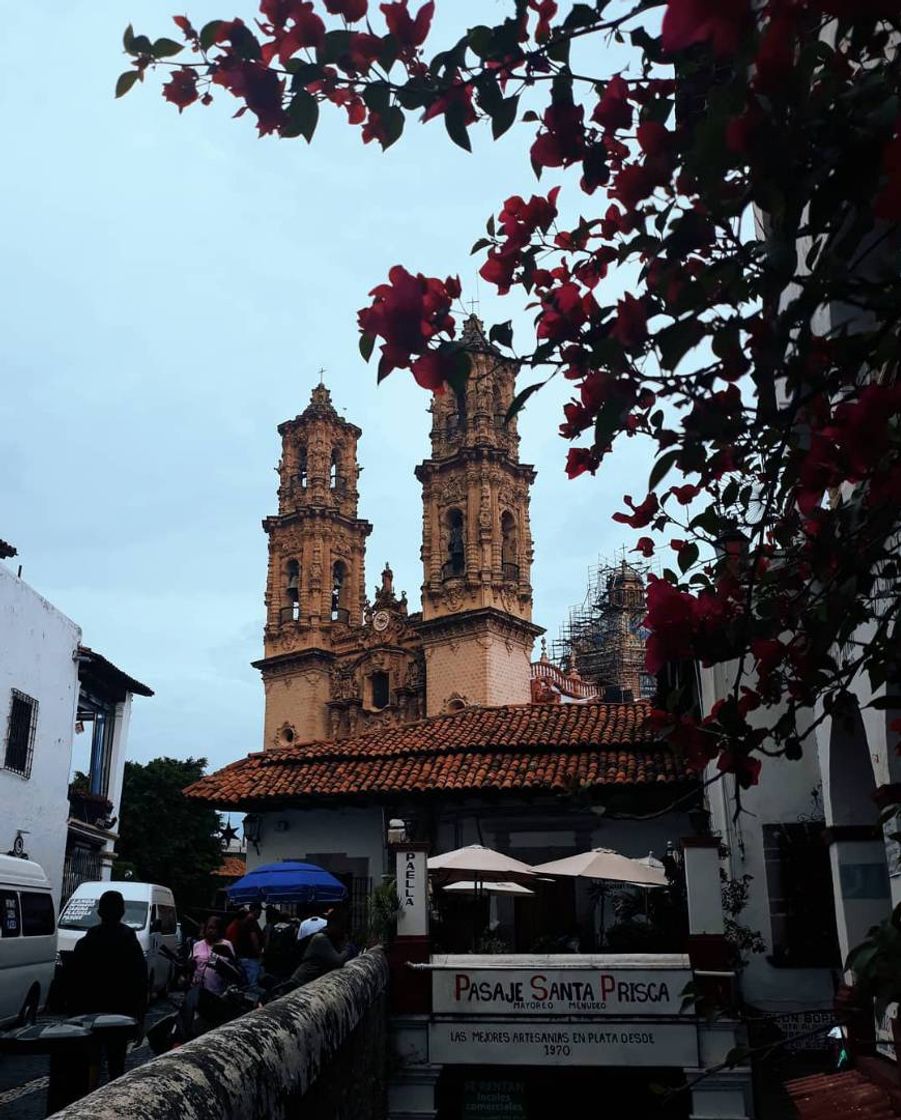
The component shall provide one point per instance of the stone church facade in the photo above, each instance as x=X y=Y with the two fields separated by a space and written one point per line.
x=335 y=662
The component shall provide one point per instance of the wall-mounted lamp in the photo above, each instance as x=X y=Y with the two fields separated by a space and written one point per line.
x=397 y=831
x=253 y=830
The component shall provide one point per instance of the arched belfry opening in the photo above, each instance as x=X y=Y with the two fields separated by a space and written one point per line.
x=292 y=588
x=302 y=476
x=455 y=564
x=340 y=611
x=333 y=476
x=509 y=546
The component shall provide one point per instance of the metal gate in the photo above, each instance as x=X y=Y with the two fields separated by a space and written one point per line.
x=82 y=865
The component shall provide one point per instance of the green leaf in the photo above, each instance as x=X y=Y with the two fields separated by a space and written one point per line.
x=504 y=116
x=334 y=45
x=687 y=556
x=393 y=126
x=502 y=334
x=558 y=50
x=303 y=73
x=661 y=468
x=165 y=48
x=482 y=243
x=480 y=39
x=141 y=45
x=455 y=123
x=128 y=40
x=208 y=33
x=520 y=399
x=125 y=82
x=302 y=116
x=367 y=343
x=459 y=375
x=377 y=97
x=888 y=701
x=675 y=341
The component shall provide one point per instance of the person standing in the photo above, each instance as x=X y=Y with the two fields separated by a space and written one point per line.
x=214 y=961
x=249 y=944
x=108 y=973
x=326 y=950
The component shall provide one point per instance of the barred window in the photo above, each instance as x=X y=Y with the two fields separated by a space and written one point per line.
x=23 y=718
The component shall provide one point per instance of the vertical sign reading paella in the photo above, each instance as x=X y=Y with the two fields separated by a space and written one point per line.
x=412 y=891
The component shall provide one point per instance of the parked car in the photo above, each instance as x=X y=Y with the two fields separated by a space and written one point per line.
x=149 y=911
x=27 y=939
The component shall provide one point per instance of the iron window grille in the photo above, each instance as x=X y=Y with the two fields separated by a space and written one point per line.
x=23 y=719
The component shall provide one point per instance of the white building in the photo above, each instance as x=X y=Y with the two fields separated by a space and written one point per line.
x=50 y=686
x=38 y=701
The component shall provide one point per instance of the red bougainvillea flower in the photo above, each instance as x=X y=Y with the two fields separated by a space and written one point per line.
x=184 y=25
x=645 y=546
x=520 y=221
x=631 y=325
x=643 y=514
x=181 y=89
x=613 y=111
x=581 y=459
x=546 y=10
x=722 y=23
x=410 y=31
x=352 y=10
x=564 y=141
x=653 y=138
x=745 y=767
x=408 y=312
x=685 y=494
x=671 y=620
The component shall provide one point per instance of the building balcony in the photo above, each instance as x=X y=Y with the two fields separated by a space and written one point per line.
x=89 y=808
x=511 y=572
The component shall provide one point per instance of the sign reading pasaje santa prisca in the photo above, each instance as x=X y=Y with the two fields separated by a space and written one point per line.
x=587 y=987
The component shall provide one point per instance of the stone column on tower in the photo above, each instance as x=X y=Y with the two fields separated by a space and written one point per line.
x=315 y=589
x=477 y=546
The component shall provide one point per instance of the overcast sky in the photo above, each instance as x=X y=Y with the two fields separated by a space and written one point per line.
x=170 y=288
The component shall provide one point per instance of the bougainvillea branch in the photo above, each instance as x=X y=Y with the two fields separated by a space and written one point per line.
x=742 y=177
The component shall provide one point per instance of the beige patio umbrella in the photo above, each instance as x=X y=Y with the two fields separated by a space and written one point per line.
x=604 y=863
x=480 y=862
x=469 y=886
x=608 y=866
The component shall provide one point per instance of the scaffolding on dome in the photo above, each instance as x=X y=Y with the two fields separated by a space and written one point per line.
x=603 y=638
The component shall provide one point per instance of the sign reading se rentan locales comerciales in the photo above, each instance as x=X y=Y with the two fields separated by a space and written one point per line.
x=559 y=991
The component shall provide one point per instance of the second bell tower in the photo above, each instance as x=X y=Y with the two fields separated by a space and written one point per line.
x=476 y=628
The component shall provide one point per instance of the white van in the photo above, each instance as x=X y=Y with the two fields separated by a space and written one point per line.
x=27 y=939
x=149 y=911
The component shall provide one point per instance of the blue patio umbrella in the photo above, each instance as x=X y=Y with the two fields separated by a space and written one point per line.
x=288 y=881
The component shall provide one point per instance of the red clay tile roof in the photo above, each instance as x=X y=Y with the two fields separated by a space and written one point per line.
x=232 y=867
x=537 y=748
x=840 y=1096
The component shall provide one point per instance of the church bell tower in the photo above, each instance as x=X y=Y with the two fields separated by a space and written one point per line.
x=315 y=590
x=476 y=628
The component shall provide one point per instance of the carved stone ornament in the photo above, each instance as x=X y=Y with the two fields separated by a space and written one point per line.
x=344 y=683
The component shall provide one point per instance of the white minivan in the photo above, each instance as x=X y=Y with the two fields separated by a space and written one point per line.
x=27 y=939
x=149 y=911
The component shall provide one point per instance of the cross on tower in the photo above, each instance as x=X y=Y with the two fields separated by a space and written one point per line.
x=321 y=375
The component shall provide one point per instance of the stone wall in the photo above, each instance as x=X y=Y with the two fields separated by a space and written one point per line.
x=317 y=1054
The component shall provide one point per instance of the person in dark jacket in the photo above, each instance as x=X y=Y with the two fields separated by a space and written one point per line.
x=108 y=972
x=326 y=950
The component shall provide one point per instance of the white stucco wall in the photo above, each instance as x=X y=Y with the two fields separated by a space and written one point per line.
x=783 y=795
x=356 y=833
x=37 y=647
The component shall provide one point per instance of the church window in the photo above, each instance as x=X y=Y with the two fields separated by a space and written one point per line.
x=339 y=591
x=381 y=694
x=509 y=546
x=292 y=589
x=333 y=471
x=456 y=544
x=302 y=467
